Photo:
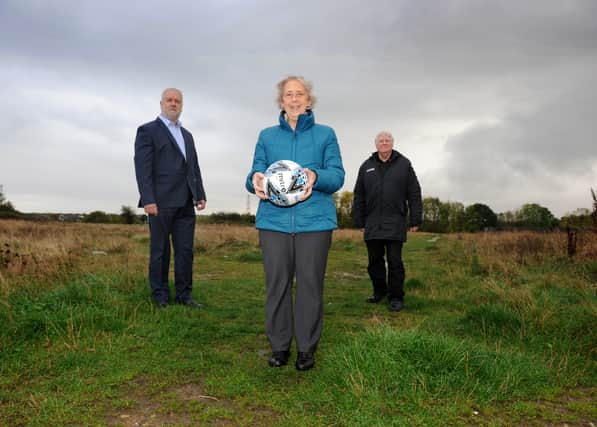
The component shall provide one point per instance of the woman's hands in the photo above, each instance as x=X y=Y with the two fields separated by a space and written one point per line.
x=257 y=181
x=309 y=187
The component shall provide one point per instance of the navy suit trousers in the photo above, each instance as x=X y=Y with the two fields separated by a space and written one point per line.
x=178 y=225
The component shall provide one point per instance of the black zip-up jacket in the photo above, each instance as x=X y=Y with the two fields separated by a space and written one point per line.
x=383 y=196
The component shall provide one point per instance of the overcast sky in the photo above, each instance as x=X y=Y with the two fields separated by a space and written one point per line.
x=493 y=102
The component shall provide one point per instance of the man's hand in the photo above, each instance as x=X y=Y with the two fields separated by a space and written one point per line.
x=257 y=181
x=151 y=209
x=309 y=187
x=413 y=229
x=200 y=205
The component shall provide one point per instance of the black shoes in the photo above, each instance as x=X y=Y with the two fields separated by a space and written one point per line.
x=305 y=361
x=374 y=299
x=395 y=304
x=189 y=303
x=161 y=304
x=279 y=358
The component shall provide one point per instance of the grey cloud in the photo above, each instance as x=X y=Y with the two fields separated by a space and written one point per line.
x=525 y=155
x=505 y=88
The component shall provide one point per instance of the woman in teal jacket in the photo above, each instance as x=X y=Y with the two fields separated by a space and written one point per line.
x=295 y=240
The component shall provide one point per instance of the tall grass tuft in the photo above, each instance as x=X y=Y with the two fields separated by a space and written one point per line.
x=398 y=371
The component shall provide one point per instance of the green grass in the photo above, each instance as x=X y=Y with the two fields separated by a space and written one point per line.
x=473 y=346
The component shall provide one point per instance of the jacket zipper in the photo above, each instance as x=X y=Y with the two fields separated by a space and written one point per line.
x=382 y=176
x=292 y=215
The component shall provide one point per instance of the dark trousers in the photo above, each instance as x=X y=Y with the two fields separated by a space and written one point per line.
x=284 y=256
x=177 y=224
x=392 y=284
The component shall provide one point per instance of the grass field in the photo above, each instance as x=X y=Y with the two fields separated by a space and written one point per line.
x=498 y=329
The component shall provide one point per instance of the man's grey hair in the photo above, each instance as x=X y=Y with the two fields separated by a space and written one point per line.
x=384 y=133
x=168 y=89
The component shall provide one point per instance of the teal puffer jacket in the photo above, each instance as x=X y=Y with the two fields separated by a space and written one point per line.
x=312 y=146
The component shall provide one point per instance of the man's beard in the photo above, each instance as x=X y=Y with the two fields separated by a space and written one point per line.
x=172 y=116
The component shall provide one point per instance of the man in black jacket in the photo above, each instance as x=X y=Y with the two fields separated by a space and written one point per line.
x=386 y=189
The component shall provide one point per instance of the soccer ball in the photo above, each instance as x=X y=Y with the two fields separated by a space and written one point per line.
x=285 y=182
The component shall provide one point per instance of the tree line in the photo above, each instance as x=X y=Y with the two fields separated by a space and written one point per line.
x=129 y=216
x=438 y=216
x=449 y=217
x=7 y=210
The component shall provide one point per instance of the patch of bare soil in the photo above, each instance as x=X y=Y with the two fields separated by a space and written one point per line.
x=182 y=405
x=345 y=275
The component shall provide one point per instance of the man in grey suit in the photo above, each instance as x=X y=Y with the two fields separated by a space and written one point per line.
x=170 y=186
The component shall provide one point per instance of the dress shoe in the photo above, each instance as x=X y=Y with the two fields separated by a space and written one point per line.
x=305 y=361
x=374 y=299
x=161 y=304
x=190 y=303
x=395 y=304
x=279 y=358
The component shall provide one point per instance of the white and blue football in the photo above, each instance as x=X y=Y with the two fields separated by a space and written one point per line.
x=285 y=182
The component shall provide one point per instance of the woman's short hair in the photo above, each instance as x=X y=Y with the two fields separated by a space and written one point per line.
x=306 y=84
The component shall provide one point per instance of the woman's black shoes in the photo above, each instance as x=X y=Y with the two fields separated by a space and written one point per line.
x=279 y=358
x=305 y=361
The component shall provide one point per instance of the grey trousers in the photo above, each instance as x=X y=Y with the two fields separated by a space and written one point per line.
x=284 y=256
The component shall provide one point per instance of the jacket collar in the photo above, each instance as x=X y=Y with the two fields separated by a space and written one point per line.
x=163 y=125
x=395 y=154
x=169 y=122
x=305 y=122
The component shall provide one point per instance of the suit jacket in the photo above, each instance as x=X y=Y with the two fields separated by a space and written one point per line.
x=163 y=175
